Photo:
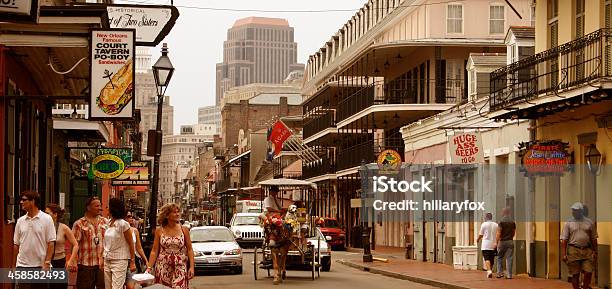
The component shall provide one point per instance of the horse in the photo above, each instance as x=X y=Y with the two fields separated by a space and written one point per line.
x=279 y=240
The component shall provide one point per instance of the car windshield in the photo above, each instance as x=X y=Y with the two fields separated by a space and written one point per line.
x=211 y=235
x=254 y=210
x=331 y=224
x=245 y=220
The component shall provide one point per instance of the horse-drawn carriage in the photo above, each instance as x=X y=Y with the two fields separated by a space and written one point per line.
x=293 y=239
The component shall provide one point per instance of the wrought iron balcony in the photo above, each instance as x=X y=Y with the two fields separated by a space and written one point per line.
x=319 y=123
x=404 y=91
x=367 y=151
x=326 y=165
x=558 y=69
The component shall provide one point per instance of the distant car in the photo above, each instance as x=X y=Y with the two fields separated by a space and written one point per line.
x=215 y=247
x=334 y=234
x=246 y=227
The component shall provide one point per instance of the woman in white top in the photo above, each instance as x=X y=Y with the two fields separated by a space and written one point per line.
x=118 y=247
x=129 y=283
x=63 y=233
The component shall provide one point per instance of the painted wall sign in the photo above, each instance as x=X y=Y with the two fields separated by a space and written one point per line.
x=544 y=158
x=152 y=23
x=136 y=174
x=466 y=148
x=19 y=11
x=124 y=153
x=107 y=166
x=112 y=74
x=389 y=162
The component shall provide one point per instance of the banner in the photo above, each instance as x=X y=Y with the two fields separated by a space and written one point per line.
x=279 y=134
x=544 y=158
x=110 y=163
x=136 y=174
x=466 y=148
x=19 y=11
x=112 y=73
x=152 y=22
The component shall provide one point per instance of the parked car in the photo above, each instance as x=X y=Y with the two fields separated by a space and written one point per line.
x=246 y=227
x=334 y=234
x=215 y=247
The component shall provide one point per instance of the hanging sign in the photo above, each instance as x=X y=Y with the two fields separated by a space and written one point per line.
x=19 y=11
x=389 y=162
x=544 y=158
x=152 y=22
x=110 y=163
x=136 y=174
x=112 y=74
x=466 y=148
x=278 y=134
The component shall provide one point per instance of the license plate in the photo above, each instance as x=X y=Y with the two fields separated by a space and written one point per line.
x=212 y=259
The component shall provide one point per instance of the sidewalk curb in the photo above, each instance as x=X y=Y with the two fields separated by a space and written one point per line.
x=401 y=276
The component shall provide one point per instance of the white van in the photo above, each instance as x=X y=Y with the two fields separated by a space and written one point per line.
x=248 y=206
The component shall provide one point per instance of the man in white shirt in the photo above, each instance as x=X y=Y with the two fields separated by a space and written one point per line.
x=271 y=203
x=488 y=235
x=34 y=239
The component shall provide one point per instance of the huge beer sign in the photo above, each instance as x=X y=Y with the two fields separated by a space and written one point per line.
x=466 y=148
x=112 y=74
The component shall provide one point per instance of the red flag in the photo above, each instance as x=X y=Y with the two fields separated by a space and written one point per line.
x=280 y=133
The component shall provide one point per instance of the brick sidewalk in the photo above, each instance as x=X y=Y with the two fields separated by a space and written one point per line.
x=444 y=276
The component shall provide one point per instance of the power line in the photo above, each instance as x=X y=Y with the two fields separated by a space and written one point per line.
x=290 y=10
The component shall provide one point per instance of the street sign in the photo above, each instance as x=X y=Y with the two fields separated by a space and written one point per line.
x=152 y=22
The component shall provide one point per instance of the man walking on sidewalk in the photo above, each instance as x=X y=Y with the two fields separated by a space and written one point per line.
x=89 y=233
x=505 y=243
x=579 y=246
x=487 y=234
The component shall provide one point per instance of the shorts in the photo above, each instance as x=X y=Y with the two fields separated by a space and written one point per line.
x=489 y=255
x=579 y=260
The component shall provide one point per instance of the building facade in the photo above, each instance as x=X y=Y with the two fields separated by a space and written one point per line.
x=257 y=50
x=210 y=115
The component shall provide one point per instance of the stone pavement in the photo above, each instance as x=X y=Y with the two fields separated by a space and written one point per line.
x=441 y=275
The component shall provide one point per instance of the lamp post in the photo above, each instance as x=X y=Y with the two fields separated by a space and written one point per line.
x=365 y=194
x=162 y=72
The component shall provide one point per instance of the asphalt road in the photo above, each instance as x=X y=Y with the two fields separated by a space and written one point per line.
x=340 y=277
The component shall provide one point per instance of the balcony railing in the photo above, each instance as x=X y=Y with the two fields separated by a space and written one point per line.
x=557 y=69
x=367 y=151
x=319 y=123
x=405 y=92
x=326 y=165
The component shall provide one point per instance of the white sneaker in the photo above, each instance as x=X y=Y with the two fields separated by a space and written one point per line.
x=489 y=274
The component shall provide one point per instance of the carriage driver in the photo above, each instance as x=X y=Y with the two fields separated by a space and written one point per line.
x=271 y=203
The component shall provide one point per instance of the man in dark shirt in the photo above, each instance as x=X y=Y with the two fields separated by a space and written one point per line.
x=505 y=244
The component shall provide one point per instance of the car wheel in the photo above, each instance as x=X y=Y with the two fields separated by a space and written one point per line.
x=326 y=264
x=238 y=270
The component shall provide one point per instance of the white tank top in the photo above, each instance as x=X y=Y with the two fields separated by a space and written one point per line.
x=60 y=243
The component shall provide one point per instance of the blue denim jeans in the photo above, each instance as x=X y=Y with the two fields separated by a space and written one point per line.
x=505 y=250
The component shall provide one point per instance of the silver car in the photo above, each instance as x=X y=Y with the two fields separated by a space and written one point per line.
x=214 y=247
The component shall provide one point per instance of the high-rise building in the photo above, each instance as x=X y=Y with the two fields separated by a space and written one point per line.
x=210 y=115
x=146 y=98
x=257 y=50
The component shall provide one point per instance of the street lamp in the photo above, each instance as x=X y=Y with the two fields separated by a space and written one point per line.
x=364 y=174
x=162 y=72
x=593 y=158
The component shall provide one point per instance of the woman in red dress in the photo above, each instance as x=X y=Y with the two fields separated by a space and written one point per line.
x=172 y=250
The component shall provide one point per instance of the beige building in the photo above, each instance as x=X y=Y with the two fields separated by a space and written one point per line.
x=210 y=115
x=257 y=50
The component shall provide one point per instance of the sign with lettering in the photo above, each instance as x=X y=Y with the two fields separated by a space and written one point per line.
x=107 y=166
x=389 y=162
x=19 y=11
x=136 y=174
x=152 y=23
x=112 y=73
x=544 y=158
x=466 y=148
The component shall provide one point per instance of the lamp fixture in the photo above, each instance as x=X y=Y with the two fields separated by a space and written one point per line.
x=387 y=64
x=376 y=71
x=396 y=116
x=399 y=56
x=593 y=158
x=74 y=113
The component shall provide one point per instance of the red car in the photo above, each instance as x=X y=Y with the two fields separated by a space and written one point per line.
x=334 y=234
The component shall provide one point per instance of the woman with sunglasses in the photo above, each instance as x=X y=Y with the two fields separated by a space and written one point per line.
x=63 y=233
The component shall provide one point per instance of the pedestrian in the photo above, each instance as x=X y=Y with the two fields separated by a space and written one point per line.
x=63 y=234
x=89 y=233
x=33 y=241
x=487 y=234
x=118 y=247
x=141 y=258
x=579 y=246
x=172 y=250
x=505 y=243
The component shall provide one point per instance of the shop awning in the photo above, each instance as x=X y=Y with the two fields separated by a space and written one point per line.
x=82 y=130
x=238 y=157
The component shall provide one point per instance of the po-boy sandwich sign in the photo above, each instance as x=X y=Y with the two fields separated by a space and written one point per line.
x=112 y=74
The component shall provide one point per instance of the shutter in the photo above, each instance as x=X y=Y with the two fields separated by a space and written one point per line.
x=482 y=86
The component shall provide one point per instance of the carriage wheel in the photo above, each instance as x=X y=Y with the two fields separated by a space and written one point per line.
x=255 y=263
x=314 y=265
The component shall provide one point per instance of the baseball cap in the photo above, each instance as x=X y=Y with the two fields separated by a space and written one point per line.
x=577 y=206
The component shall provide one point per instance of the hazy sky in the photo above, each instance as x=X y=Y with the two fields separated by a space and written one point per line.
x=196 y=41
